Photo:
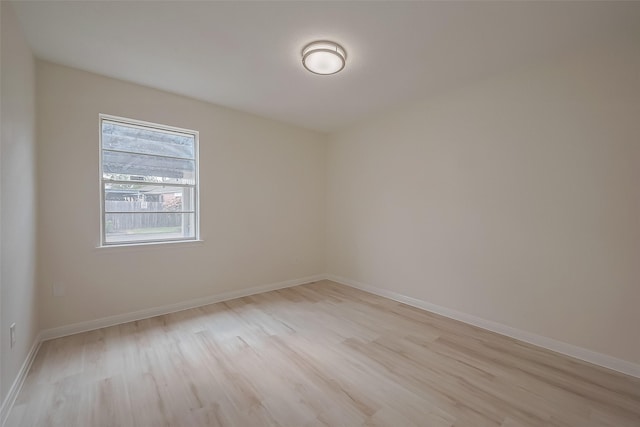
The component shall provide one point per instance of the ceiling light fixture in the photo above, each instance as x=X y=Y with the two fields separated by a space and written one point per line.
x=323 y=57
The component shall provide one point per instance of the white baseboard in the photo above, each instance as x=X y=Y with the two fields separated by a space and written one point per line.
x=9 y=400
x=581 y=353
x=118 y=319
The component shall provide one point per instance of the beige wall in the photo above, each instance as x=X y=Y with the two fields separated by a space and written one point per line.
x=515 y=200
x=18 y=294
x=262 y=189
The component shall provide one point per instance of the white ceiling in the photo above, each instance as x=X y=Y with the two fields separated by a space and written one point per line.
x=246 y=55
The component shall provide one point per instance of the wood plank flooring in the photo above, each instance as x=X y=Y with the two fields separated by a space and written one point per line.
x=314 y=355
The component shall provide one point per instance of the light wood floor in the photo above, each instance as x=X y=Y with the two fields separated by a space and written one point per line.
x=315 y=355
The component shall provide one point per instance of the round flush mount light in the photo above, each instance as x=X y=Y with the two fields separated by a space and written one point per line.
x=323 y=57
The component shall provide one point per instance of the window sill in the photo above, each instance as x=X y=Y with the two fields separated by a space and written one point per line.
x=149 y=245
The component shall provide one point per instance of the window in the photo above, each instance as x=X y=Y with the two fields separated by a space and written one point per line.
x=149 y=182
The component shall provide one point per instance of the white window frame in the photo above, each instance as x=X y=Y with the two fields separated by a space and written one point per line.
x=195 y=186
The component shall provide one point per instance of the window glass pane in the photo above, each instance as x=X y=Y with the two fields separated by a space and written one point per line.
x=136 y=197
x=148 y=226
x=121 y=137
x=147 y=168
x=149 y=182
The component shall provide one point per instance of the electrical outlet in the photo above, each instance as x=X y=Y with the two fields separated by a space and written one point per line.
x=12 y=332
